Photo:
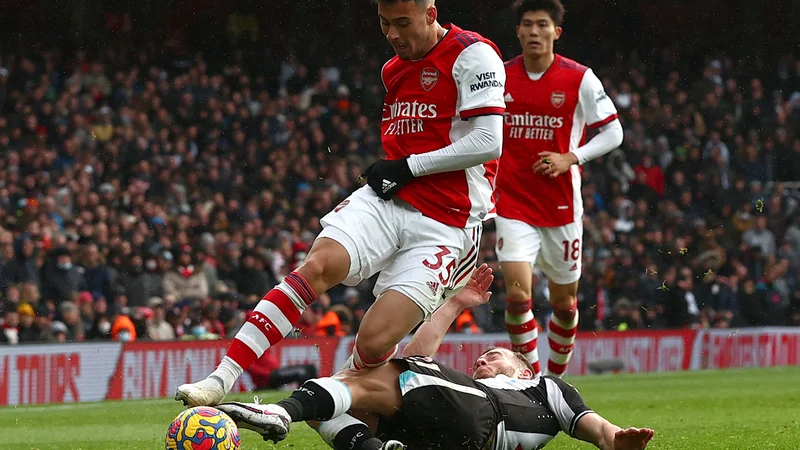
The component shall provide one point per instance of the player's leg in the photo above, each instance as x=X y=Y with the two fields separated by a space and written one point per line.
x=561 y=254
x=517 y=248
x=440 y=406
x=323 y=399
x=435 y=260
x=355 y=243
x=353 y=431
x=391 y=318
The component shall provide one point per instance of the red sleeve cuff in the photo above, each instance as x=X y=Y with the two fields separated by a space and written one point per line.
x=605 y=121
x=490 y=110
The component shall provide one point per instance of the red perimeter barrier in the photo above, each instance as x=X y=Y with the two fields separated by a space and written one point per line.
x=67 y=373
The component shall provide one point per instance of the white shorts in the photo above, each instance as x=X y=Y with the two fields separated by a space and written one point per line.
x=556 y=251
x=425 y=260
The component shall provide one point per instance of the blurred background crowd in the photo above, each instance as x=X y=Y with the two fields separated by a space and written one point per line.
x=162 y=167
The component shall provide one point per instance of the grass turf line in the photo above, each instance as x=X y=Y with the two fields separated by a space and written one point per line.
x=737 y=410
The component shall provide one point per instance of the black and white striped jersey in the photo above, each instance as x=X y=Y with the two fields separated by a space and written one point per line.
x=533 y=411
x=444 y=409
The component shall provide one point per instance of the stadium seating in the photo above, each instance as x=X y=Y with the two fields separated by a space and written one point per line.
x=157 y=191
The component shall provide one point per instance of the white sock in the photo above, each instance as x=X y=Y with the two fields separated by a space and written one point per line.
x=227 y=371
x=330 y=428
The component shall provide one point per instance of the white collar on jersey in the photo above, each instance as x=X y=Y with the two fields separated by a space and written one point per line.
x=535 y=76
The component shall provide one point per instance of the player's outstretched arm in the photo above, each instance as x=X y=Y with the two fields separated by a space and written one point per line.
x=580 y=422
x=605 y=435
x=429 y=336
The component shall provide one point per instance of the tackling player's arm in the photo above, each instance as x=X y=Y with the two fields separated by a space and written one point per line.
x=480 y=75
x=604 y=435
x=430 y=334
x=599 y=112
x=580 y=422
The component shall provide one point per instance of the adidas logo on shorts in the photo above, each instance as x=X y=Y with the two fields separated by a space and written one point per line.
x=433 y=286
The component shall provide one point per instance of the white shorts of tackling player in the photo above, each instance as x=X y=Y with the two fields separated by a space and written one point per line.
x=425 y=260
x=556 y=251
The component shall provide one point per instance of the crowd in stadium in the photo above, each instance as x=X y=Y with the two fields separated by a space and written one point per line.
x=149 y=197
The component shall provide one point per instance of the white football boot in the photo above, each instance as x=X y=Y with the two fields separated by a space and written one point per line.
x=207 y=392
x=270 y=421
x=393 y=445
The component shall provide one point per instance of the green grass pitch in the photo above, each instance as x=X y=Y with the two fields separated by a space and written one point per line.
x=741 y=409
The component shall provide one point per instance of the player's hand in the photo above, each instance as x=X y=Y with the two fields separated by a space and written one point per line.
x=554 y=164
x=386 y=177
x=475 y=292
x=632 y=438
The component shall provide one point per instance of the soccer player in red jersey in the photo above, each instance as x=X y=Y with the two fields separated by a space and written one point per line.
x=550 y=101
x=418 y=222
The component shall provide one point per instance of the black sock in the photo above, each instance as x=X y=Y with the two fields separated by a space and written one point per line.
x=356 y=437
x=309 y=402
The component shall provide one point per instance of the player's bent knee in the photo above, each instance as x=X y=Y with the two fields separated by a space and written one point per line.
x=518 y=292
x=563 y=302
x=373 y=350
x=564 y=308
x=326 y=265
x=391 y=318
x=517 y=277
x=518 y=295
x=563 y=296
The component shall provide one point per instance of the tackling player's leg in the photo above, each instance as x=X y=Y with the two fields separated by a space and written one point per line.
x=352 y=431
x=328 y=399
x=326 y=265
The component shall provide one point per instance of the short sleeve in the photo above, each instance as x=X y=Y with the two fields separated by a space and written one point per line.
x=566 y=403
x=597 y=107
x=481 y=77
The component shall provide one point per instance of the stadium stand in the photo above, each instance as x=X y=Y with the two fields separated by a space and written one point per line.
x=156 y=180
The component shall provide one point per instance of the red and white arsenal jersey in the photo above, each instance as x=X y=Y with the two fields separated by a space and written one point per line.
x=548 y=114
x=426 y=108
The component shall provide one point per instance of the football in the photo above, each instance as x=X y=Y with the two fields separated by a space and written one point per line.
x=202 y=428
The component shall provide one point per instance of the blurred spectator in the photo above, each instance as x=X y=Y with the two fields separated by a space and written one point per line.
x=10 y=326
x=28 y=330
x=122 y=327
x=60 y=278
x=185 y=281
x=71 y=319
x=158 y=329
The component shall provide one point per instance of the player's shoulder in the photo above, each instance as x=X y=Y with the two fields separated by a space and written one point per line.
x=465 y=42
x=394 y=61
x=513 y=62
x=567 y=64
x=465 y=38
x=558 y=383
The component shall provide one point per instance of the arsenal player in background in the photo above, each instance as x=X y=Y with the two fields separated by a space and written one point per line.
x=418 y=222
x=550 y=101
